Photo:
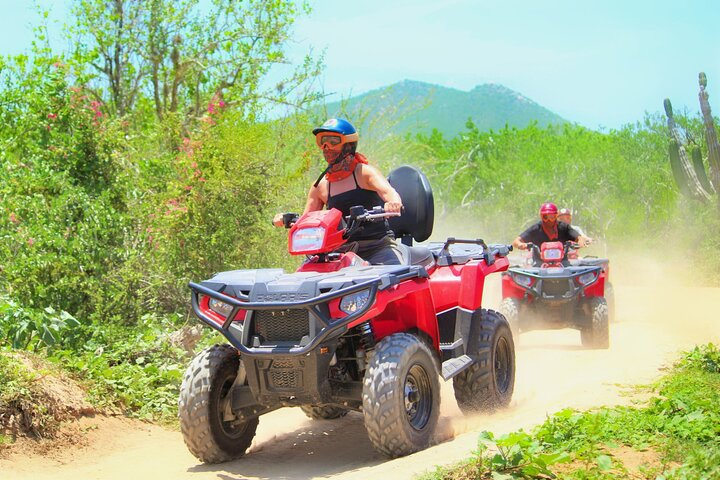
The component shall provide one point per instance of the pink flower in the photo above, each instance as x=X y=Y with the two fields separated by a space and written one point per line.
x=30 y=241
x=52 y=116
x=13 y=218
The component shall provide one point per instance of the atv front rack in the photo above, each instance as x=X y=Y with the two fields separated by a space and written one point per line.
x=330 y=328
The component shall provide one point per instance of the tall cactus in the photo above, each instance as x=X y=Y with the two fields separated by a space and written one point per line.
x=690 y=175
x=683 y=170
x=710 y=134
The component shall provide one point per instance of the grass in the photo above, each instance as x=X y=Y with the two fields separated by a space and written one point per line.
x=673 y=435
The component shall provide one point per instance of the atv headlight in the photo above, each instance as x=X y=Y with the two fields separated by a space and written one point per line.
x=523 y=280
x=307 y=239
x=587 y=278
x=355 y=301
x=552 y=254
x=219 y=307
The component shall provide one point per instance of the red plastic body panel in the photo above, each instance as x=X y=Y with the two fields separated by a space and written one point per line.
x=597 y=289
x=328 y=220
x=415 y=303
x=510 y=289
x=400 y=308
x=346 y=260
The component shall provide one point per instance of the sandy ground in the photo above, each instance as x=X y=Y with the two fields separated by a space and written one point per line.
x=656 y=318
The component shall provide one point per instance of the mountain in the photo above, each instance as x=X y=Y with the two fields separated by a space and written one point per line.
x=412 y=107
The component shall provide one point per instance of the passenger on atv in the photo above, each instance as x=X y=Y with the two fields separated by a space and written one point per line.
x=350 y=181
x=548 y=229
x=565 y=215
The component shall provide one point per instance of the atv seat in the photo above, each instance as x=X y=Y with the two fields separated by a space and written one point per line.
x=416 y=221
x=421 y=256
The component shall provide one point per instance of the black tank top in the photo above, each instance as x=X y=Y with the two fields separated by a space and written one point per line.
x=366 y=198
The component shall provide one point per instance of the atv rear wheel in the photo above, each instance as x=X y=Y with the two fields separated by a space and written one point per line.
x=510 y=309
x=323 y=412
x=401 y=395
x=596 y=334
x=203 y=406
x=489 y=382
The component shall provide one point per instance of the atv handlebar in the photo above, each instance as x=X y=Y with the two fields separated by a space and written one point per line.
x=359 y=215
x=568 y=245
x=289 y=219
x=377 y=213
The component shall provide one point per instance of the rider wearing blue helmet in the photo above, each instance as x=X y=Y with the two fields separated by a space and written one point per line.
x=347 y=181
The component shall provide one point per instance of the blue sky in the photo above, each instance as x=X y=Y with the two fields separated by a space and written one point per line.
x=601 y=64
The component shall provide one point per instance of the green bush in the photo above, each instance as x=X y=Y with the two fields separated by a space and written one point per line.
x=62 y=219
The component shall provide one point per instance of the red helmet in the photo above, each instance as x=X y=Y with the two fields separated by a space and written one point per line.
x=548 y=208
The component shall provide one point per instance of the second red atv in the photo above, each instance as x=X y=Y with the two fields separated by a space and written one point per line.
x=555 y=292
x=340 y=335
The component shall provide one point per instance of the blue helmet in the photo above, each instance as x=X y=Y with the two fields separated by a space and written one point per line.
x=338 y=125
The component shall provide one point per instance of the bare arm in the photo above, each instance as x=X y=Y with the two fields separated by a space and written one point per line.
x=519 y=243
x=372 y=179
x=316 y=200
x=583 y=241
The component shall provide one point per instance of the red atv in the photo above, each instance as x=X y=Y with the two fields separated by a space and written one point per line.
x=558 y=291
x=340 y=335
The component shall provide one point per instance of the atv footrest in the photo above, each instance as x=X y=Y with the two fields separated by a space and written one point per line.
x=452 y=367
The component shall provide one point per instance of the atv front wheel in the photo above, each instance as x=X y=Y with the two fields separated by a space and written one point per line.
x=401 y=395
x=597 y=333
x=203 y=407
x=510 y=309
x=610 y=298
x=489 y=382
x=323 y=412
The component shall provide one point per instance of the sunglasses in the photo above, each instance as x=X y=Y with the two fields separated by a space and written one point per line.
x=549 y=216
x=334 y=141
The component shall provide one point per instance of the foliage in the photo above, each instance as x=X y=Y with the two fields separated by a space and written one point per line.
x=703 y=357
x=27 y=328
x=62 y=216
x=681 y=422
x=507 y=174
x=191 y=55
x=133 y=165
x=15 y=380
x=134 y=368
x=24 y=406
x=15 y=384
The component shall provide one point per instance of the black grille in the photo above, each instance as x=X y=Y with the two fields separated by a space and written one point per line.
x=285 y=378
x=281 y=325
x=283 y=363
x=554 y=287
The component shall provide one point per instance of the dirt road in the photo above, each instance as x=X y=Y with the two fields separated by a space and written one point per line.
x=656 y=318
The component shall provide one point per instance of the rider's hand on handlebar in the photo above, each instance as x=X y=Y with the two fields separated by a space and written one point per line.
x=584 y=241
x=524 y=246
x=278 y=220
x=393 y=207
